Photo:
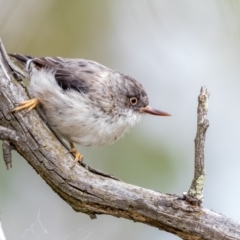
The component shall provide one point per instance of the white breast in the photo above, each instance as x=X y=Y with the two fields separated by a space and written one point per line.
x=70 y=114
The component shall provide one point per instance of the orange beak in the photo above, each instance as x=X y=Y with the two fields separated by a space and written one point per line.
x=153 y=111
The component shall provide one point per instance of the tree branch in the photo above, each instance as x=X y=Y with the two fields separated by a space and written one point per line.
x=8 y=136
x=195 y=192
x=93 y=193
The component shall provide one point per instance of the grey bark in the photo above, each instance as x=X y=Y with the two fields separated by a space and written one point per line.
x=195 y=192
x=92 y=192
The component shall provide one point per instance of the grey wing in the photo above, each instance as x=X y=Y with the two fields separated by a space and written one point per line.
x=68 y=72
x=76 y=74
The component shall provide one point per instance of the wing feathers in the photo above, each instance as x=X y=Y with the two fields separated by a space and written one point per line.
x=68 y=73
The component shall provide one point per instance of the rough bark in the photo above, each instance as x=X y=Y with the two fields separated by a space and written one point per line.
x=195 y=192
x=92 y=192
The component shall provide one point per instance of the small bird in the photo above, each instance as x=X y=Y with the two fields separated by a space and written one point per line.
x=83 y=101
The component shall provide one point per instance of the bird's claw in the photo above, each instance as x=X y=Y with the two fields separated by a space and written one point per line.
x=78 y=157
x=29 y=105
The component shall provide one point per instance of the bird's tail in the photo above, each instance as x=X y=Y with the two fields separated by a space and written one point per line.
x=20 y=57
x=20 y=60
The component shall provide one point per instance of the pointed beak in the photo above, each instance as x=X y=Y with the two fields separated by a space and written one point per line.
x=153 y=111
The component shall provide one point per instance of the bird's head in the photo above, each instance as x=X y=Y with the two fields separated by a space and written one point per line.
x=131 y=97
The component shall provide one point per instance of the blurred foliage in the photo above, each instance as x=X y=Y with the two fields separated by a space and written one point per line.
x=61 y=28
x=136 y=161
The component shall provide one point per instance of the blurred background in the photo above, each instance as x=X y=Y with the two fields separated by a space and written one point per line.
x=173 y=48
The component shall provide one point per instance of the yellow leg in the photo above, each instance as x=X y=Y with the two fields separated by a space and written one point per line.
x=30 y=104
x=78 y=157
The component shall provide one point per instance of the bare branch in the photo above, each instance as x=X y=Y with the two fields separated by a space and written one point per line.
x=8 y=134
x=195 y=193
x=7 y=156
x=16 y=71
x=93 y=193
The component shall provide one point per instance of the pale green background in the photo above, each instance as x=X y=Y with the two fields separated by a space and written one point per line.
x=173 y=48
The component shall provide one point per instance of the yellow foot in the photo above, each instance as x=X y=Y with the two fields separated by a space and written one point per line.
x=30 y=104
x=78 y=157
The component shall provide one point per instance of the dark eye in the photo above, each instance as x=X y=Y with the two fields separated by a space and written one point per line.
x=133 y=100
